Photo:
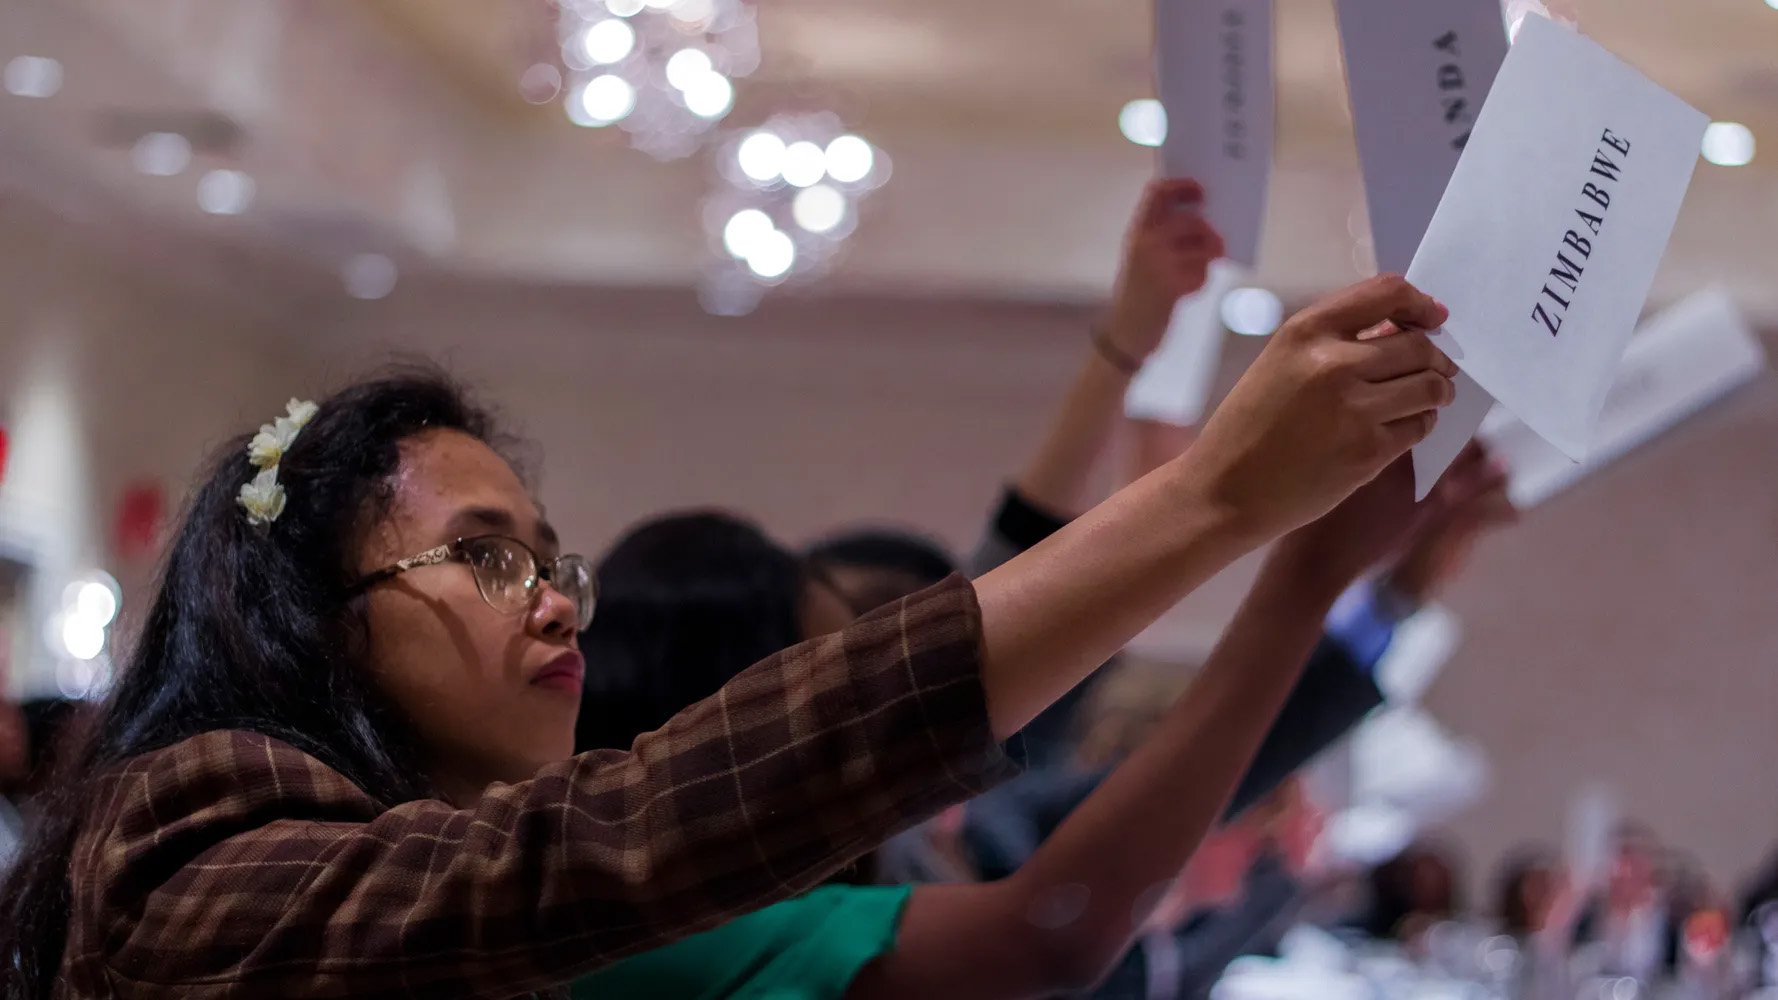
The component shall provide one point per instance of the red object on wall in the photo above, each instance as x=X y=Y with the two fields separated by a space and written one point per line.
x=2 y=454
x=139 y=517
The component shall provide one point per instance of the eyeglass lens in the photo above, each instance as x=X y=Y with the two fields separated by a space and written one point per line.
x=506 y=574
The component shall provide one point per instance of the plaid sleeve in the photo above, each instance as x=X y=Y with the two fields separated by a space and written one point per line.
x=232 y=865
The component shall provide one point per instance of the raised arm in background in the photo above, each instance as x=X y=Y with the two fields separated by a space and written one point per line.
x=1166 y=256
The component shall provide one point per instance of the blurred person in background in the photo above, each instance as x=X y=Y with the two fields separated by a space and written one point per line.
x=1413 y=891
x=1526 y=889
x=677 y=596
x=1628 y=919
x=425 y=822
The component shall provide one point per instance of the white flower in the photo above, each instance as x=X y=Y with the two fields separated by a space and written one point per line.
x=267 y=448
x=263 y=498
x=300 y=412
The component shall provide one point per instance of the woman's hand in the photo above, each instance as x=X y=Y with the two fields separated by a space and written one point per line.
x=1344 y=388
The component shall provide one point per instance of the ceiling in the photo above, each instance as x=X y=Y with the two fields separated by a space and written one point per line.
x=398 y=126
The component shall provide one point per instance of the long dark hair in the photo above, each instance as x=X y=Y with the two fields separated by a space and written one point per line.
x=686 y=601
x=251 y=629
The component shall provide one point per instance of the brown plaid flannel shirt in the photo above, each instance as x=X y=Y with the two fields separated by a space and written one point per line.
x=231 y=865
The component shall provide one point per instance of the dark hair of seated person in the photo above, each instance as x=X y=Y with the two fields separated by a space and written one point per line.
x=1409 y=892
x=686 y=601
x=874 y=566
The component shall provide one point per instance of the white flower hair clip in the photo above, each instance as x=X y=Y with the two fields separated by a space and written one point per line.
x=262 y=497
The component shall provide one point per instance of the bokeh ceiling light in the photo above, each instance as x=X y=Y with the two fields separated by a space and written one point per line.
x=772 y=254
x=369 y=276
x=1143 y=122
x=1252 y=312
x=82 y=638
x=162 y=154
x=607 y=99
x=761 y=157
x=669 y=66
x=693 y=12
x=849 y=159
x=96 y=603
x=687 y=66
x=225 y=192
x=818 y=209
x=805 y=163
x=785 y=203
x=608 y=41
x=1728 y=144
x=742 y=232
x=33 y=76
x=710 y=96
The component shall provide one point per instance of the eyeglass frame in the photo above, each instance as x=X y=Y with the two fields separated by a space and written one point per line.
x=456 y=551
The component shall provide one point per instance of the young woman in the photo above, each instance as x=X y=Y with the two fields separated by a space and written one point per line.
x=339 y=760
x=690 y=599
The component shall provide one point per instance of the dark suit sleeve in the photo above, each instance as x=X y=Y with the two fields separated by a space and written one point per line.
x=1002 y=828
x=1333 y=695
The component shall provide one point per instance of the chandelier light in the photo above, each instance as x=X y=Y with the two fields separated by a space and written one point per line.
x=661 y=70
x=784 y=201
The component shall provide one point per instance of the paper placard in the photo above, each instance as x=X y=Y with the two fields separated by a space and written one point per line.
x=1213 y=71
x=1174 y=384
x=1686 y=358
x=1457 y=424
x=1592 y=820
x=1548 y=237
x=1416 y=76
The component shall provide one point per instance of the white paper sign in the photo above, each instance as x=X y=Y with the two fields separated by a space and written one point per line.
x=1592 y=819
x=1174 y=384
x=1684 y=359
x=1213 y=68
x=1416 y=75
x=1549 y=234
x=1457 y=424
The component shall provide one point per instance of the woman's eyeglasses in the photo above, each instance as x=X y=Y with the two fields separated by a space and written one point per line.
x=507 y=572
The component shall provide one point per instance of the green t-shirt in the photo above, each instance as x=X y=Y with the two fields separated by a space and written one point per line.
x=801 y=949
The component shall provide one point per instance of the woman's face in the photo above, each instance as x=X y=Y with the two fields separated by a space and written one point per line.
x=492 y=695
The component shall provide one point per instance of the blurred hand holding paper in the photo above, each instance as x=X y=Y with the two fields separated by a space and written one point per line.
x=1213 y=72
x=1174 y=384
x=1548 y=237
